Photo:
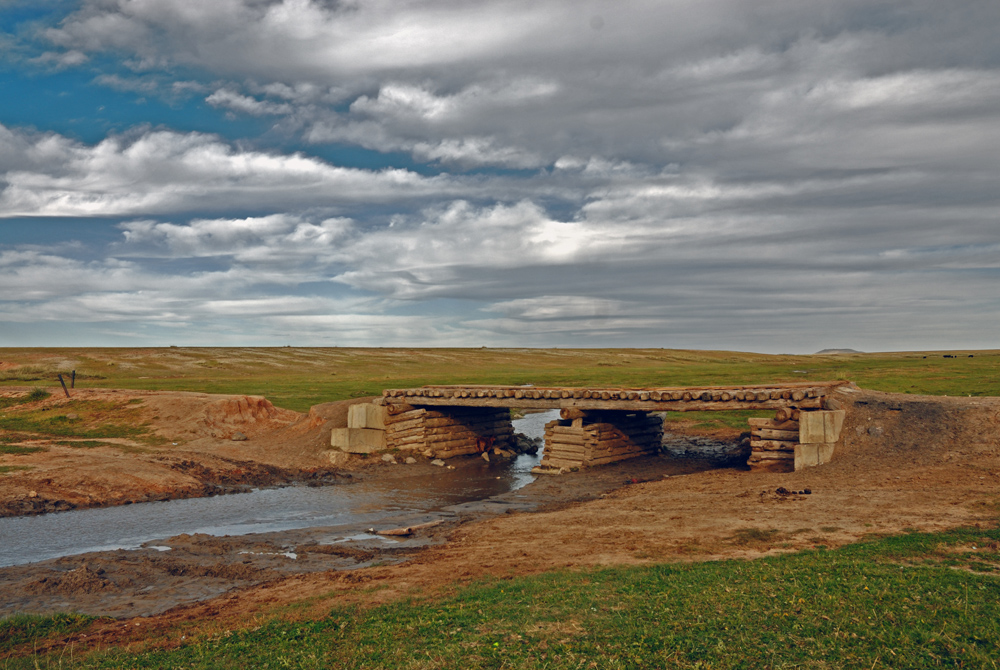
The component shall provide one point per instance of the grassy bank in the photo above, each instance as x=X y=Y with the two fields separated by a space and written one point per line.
x=915 y=601
x=297 y=378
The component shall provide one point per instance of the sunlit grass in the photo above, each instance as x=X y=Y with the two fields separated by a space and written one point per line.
x=913 y=601
x=298 y=378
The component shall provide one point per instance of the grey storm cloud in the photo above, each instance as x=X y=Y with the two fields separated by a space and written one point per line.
x=771 y=174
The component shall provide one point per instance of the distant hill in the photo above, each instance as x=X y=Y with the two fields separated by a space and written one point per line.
x=838 y=351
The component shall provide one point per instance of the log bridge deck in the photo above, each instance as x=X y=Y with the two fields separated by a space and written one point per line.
x=806 y=395
x=598 y=425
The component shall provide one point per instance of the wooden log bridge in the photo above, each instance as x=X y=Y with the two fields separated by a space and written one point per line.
x=598 y=425
x=807 y=395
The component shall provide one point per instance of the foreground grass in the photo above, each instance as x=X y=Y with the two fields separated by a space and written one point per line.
x=297 y=378
x=20 y=630
x=915 y=601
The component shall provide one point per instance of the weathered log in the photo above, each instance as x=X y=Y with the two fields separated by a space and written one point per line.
x=409 y=530
x=455 y=451
x=773 y=423
x=559 y=427
x=416 y=433
x=772 y=434
x=773 y=455
x=626 y=405
x=562 y=463
x=564 y=439
x=396 y=409
x=772 y=445
x=405 y=425
x=576 y=453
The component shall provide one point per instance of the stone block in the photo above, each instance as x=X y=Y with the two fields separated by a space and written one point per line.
x=811 y=455
x=806 y=456
x=366 y=415
x=358 y=440
x=820 y=427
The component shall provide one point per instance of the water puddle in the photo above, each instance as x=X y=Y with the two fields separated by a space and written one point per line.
x=39 y=538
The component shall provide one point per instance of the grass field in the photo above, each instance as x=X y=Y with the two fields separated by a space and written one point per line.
x=914 y=601
x=297 y=378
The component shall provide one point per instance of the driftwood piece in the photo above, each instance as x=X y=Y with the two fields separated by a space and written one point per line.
x=409 y=530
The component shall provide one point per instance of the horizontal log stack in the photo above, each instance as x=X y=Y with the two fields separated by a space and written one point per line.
x=773 y=441
x=806 y=395
x=447 y=432
x=599 y=439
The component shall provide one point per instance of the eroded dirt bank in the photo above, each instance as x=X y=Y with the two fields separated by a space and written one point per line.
x=111 y=447
x=907 y=462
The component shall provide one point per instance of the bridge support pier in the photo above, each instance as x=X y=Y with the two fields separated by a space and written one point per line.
x=587 y=438
x=794 y=439
x=443 y=432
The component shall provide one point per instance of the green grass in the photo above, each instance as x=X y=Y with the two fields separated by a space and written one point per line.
x=18 y=450
x=731 y=419
x=95 y=419
x=7 y=469
x=34 y=396
x=93 y=444
x=23 y=629
x=913 y=601
x=298 y=378
x=84 y=444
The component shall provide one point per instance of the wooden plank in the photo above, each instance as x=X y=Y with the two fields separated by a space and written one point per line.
x=565 y=439
x=561 y=463
x=772 y=444
x=773 y=424
x=623 y=405
x=772 y=434
x=773 y=455
x=452 y=452
x=568 y=431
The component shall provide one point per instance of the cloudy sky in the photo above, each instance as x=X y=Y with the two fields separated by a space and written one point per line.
x=764 y=175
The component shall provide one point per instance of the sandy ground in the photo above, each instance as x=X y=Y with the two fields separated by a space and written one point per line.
x=905 y=462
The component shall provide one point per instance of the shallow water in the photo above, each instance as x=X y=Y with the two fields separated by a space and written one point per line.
x=38 y=538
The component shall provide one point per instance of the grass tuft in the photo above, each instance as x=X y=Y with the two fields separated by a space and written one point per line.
x=18 y=450
x=7 y=469
x=24 y=629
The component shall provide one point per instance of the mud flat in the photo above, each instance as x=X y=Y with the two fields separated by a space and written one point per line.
x=187 y=568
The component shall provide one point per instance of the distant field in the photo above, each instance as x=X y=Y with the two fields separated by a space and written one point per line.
x=297 y=378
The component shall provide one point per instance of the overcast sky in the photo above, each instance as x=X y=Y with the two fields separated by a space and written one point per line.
x=764 y=175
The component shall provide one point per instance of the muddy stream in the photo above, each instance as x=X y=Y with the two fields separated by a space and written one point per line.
x=39 y=538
